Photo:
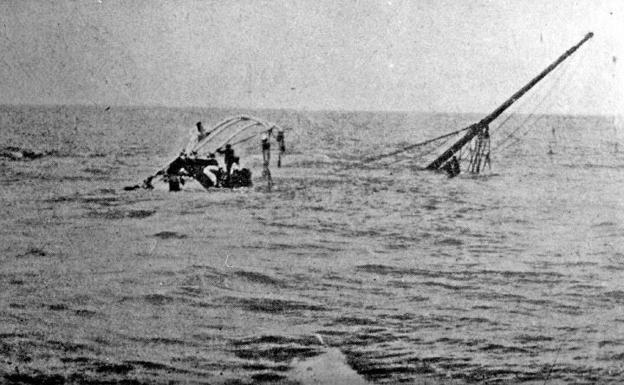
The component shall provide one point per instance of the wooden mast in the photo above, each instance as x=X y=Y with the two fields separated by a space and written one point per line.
x=476 y=128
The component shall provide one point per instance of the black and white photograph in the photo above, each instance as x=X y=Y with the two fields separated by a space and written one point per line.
x=311 y=192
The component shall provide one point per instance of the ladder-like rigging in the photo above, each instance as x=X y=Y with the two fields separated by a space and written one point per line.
x=480 y=153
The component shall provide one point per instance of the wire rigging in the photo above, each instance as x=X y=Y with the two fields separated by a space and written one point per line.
x=412 y=146
x=561 y=74
x=508 y=139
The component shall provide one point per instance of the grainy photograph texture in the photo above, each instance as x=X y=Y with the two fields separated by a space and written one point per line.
x=311 y=192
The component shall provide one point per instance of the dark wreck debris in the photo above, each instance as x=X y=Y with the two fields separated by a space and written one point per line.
x=198 y=159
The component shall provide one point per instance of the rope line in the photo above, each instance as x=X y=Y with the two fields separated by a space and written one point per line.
x=561 y=73
x=507 y=139
x=505 y=142
x=412 y=146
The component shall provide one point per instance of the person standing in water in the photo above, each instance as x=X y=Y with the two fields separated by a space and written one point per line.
x=282 y=145
x=266 y=149
x=266 y=157
x=228 y=158
x=201 y=132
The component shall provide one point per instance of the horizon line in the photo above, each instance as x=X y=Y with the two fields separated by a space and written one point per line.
x=394 y=111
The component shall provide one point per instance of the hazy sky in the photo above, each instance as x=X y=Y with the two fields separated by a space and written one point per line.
x=453 y=56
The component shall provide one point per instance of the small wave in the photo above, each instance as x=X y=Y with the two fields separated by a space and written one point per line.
x=255 y=277
x=266 y=367
x=590 y=166
x=605 y=224
x=271 y=305
x=58 y=307
x=450 y=242
x=97 y=171
x=160 y=341
x=614 y=342
x=100 y=200
x=277 y=340
x=503 y=349
x=85 y=313
x=149 y=364
x=617 y=295
x=274 y=349
x=614 y=268
x=113 y=368
x=526 y=338
x=476 y=320
x=417 y=298
x=447 y=286
x=451 y=341
x=267 y=377
x=68 y=346
x=613 y=357
x=32 y=252
x=121 y=214
x=372 y=366
x=353 y=321
x=169 y=235
x=35 y=378
x=282 y=246
x=378 y=269
x=401 y=284
x=142 y=365
x=152 y=299
x=18 y=153
x=494 y=296
x=371 y=335
x=276 y=353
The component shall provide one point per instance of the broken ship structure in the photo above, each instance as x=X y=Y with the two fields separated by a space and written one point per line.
x=477 y=135
x=198 y=160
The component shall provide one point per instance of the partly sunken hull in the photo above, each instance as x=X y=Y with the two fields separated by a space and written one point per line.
x=206 y=172
x=197 y=161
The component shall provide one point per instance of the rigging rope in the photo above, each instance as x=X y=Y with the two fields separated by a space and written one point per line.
x=485 y=152
x=511 y=139
x=561 y=73
x=505 y=142
x=520 y=105
x=412 y=146
x=424 y=154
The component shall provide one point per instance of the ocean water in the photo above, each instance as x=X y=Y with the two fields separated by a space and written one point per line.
x=513 y=276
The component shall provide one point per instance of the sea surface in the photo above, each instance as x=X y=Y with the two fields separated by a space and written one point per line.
x=511 y=276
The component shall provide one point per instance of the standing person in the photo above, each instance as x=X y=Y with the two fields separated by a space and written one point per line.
x=201 y=132
x=238 y=177
x=281 y=144
x=266 y=157
x=266 y=149
x=228 y=158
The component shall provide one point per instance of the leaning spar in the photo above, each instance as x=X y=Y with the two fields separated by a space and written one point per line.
x=480 y=129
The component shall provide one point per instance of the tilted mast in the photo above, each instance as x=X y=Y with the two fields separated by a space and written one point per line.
x=482 y=125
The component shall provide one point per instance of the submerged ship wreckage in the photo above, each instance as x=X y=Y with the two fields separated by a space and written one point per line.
x=476 y=136
x=198 y=159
